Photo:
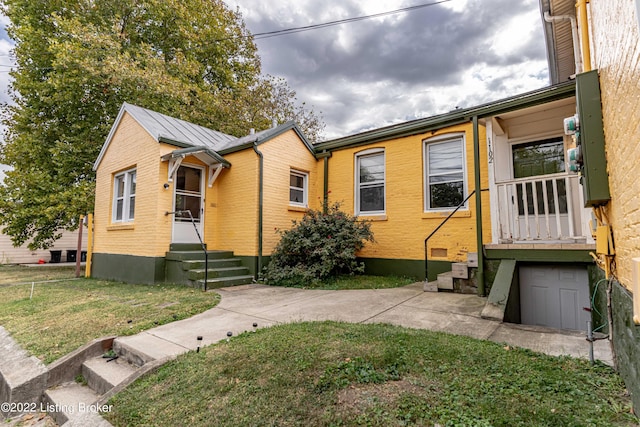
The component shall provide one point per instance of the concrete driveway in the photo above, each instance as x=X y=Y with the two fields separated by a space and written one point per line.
x=409 y=306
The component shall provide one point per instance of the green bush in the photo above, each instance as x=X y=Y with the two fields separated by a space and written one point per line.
x=321 y=246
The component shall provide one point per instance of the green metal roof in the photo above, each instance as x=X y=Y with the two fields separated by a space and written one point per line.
x=414 y=127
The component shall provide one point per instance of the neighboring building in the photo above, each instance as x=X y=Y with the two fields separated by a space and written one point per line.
x=63 y=247
x=606 y=40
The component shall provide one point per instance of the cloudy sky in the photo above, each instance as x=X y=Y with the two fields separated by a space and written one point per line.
x=377 y=72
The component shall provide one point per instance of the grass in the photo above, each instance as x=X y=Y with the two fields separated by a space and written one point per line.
x=336 y=374
x=360 y=281
x=67 y=314
x=12 y=274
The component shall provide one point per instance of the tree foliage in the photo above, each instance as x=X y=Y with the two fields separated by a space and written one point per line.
x=321 y=246
x=78 y=60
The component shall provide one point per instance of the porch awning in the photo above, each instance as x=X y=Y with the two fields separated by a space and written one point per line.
x=213 y=160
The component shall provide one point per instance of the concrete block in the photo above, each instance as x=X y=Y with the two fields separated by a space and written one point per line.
x=445 y=281
x=460 y=270
x=67 y=401
x=102 y=374
x=23 y=377
x=472 y=259
x=430 y=286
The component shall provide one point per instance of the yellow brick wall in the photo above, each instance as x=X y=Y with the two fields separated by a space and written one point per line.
x=400 y=233
x=150 y=232
x=616 y=54
x=232 y=206
x=281 y=154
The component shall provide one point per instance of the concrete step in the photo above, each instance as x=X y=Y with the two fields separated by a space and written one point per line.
x=431 y=286
x=129 y=353
x=223 y=282
x=445 y=281
x=197 y=255
x=102 y=374
x=68 y=400
x=460 y=270
x=194 y=264
x=214 y=273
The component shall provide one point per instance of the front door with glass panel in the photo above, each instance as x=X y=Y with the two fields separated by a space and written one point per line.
x=539 y=171
x=188 y=196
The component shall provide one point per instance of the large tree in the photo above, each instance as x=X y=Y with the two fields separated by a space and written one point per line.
x=78 y=60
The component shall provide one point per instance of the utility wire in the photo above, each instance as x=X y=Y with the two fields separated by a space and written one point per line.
x=294 y=30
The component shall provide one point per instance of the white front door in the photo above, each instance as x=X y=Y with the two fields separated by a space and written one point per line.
x=188 y=196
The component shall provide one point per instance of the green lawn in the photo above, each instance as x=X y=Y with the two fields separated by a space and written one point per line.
x=362 y=281
x=336 y=374
x=64 y=315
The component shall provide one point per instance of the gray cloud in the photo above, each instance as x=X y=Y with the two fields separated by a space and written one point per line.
x=377 y=72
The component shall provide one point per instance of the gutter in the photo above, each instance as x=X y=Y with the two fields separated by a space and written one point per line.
x=574 y=35
x=260 y=205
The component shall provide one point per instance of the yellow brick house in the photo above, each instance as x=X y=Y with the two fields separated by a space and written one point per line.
x=166 y=187
x=597 y=44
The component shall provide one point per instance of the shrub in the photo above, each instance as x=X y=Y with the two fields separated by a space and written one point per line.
x=322 y=245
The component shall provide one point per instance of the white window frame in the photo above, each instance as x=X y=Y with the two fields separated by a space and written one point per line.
x=440 y=140
x=305 y=188
x=358 y=186
x=127 y=196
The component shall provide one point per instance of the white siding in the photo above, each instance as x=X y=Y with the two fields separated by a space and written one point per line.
x=22 y=255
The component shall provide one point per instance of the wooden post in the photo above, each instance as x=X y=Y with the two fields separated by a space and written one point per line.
x=87 y=271
x=79 y=249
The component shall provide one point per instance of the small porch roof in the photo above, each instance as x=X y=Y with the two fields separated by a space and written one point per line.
x=206 y=155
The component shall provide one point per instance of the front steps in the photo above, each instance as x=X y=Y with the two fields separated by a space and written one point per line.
x=461 y=278
x=80 y=402
x=185 y=263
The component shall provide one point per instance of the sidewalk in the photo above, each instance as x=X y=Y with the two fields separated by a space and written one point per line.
x=410 y=306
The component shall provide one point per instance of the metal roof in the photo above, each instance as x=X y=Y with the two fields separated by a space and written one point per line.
x=175 y=131
x=517 y=102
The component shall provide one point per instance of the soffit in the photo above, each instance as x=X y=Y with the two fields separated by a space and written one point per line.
x=559 y=40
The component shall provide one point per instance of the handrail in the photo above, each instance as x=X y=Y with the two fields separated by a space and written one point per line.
x=204 y=246
x=426 y=254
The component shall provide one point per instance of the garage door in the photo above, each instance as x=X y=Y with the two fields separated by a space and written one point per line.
x=554 y=296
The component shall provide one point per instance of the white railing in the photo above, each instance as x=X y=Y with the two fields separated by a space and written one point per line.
x=541 y=208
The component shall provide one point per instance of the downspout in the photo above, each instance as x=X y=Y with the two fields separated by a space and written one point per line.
x=581 y=9
x=260 y=205
x=325 y=205
x=574 y=35
x=476 y=167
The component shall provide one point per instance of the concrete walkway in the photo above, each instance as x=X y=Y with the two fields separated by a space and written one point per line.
x=409 y=306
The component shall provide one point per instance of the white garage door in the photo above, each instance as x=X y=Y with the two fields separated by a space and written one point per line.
x=554 y=296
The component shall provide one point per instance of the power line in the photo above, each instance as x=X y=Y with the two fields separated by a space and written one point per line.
x=294 y=30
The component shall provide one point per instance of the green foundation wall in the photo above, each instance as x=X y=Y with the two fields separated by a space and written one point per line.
x=128 y=268
x=403 y=267
x=625 y=333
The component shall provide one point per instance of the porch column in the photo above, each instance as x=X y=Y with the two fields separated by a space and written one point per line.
x=476 y=171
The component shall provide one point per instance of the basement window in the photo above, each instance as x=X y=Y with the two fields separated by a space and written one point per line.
x=124 y=196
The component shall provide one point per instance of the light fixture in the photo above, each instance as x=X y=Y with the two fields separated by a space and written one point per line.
x=166 y=185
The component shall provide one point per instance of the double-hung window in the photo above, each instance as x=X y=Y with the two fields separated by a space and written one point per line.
x=124 y=196
x=370 y=182
x=298 y=188
x=444 y=173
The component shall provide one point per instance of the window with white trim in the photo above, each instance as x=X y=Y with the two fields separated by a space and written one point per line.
x=370 y=183
x=124 y=196
x=445 y=173
x=298 y=188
